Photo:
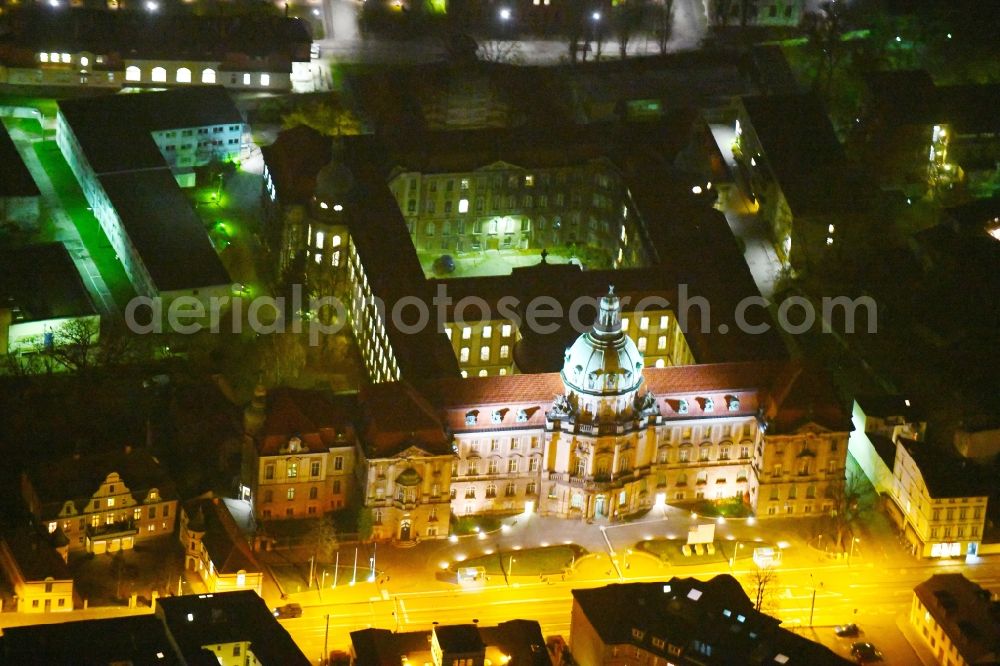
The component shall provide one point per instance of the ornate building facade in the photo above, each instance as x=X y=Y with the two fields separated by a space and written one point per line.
x=603 y=438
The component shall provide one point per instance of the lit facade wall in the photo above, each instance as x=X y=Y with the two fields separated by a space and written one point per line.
x=506 y=207
x=496 y=471
x=95 y=70
x=368 y=324
x=303 y=483
x=484 y=347
x=411 y=507
x=935 y=527
x=196 y=146
x=802 y=473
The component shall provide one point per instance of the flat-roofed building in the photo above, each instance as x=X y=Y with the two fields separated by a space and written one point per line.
x=129 y=152
x=19 y=195
x=41 y=293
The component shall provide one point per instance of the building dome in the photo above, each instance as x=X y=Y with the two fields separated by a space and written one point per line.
x=604 y=361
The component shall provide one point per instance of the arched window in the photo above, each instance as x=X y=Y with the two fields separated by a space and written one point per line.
x=208 y=75
x=133 y=73
x=159 y=74
x=335 y=242
x=660 y=363
x=183 y=75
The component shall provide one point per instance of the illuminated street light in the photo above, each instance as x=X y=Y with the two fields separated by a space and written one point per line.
x=505 y=14
x=152 y=6
x=596 y=16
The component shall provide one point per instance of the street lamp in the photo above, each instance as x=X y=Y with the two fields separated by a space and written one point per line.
x=854 y=541
x=596 y=16
x=732 y=562
x=504 y=14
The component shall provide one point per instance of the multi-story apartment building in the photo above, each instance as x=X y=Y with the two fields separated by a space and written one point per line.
x=129 y=152
x=110 y=50
x=104 y=502
x=958 y=619
x=938 y=500
x=683 y=621
x=514 y=642
x=298 y=453
x=214 y=548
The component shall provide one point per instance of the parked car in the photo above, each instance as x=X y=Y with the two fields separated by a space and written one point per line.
x=846 y=630
x=865 y=653
x=288 y=611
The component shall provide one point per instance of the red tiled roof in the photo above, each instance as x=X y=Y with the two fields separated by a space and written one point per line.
x=313 y=416
x=397 y=417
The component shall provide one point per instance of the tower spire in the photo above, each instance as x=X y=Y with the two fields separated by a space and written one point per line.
x=609 y=315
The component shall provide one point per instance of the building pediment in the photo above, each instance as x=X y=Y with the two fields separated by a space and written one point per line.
x=412 y=452
x=499 y=165
x=811 y=428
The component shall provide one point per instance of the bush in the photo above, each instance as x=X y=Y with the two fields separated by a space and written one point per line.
x=468 y=524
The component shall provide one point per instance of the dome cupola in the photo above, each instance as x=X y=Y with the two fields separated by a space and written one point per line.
x=604 y=361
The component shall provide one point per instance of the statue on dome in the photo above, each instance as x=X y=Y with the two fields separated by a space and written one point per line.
x=647 y=404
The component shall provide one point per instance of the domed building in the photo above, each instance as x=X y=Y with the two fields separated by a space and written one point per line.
x=600 y=424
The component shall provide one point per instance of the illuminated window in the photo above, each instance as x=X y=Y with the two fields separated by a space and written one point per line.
x=111 y=501
x=664 y=321
x=246 y=79
x=159 y=74
x=290 y=494
x=183 y=75
x=661 y=342
x=335 y=242
x=660 y=363
x=43 y=57
x=84 y=61
x=208 y=75
x=466 y=333
x=505 y=331
x=54 y=57
x=529 y=181
x=484 y=353
x=464 y=355
x=504 y=351
x=642 y=343
x=265 y=79
x=133 y=73
x=292 y=470
x=644 y=323
x=483 y=373
x=487 y=331
x=66 y=58
x=463 y=205
x=319 y=240
x=447 y=332
x=624 y=323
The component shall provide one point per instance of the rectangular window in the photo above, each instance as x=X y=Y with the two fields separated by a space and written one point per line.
x=290 y=493
x=152 y=512
x=314 y=468
x=512 y=466
x=338 y=463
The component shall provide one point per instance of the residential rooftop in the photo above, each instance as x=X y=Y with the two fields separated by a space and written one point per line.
x=138 y=639
x=35 y=555
x=77 y=478
x=967 y=614
x=685 y=613
x=945 y=473
x=226 y=547
x=197 y=621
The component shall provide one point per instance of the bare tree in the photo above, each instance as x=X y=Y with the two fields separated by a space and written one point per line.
x=663 y=27
x=762 y=582
x=323 y=538
x=500 y=51
x=628 y=17
x=74 y=345
x=846 y=498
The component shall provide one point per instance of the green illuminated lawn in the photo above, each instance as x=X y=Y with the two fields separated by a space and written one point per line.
x=90 y=231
